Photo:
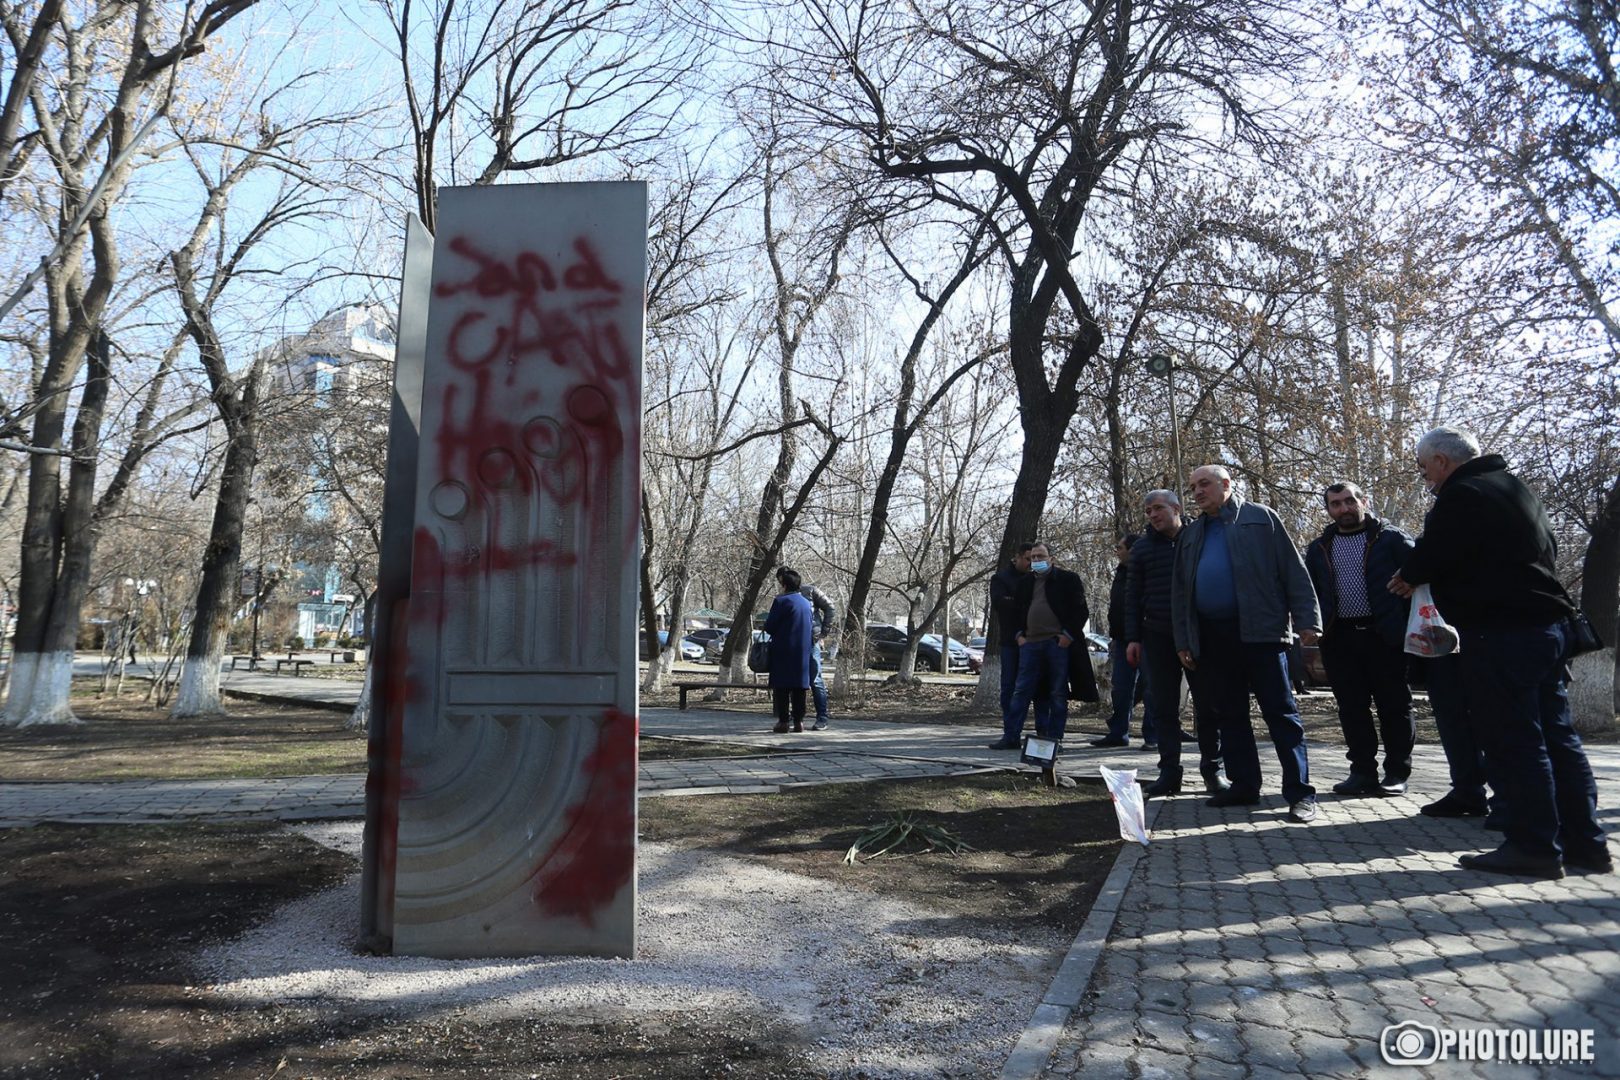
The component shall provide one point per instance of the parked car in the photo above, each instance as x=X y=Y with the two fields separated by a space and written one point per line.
x=885 y=644
x=703 y=637
x=713 y=647
x=690 y=650
x=960 y=653
x=1097 y=648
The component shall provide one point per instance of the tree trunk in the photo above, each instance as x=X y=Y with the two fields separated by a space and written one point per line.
x=1592 y=691
x=360 y=719
x=45 y=677
x=198 y=694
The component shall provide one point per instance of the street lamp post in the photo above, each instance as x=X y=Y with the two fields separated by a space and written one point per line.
x=1162 y=363
x=136 y=608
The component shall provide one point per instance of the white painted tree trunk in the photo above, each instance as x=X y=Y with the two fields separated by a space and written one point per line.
x=987 y=695
x=198 y=691
x=40 y=685
x=360 y=719
x=1591 y=692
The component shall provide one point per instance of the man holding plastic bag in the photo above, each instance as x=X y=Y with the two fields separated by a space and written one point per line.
x=1487 y=551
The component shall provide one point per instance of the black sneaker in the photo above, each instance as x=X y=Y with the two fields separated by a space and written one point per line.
x=1168 y=783
x=1589 y=862
x=1006 y=744
x=1452 y=805
x=1356 y=785
x=820 y=724
x=1390 y=786
x=1109 y=740
x=1505 y=860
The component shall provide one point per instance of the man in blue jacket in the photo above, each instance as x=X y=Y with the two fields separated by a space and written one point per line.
x=1238 y=582
x=1363 y=639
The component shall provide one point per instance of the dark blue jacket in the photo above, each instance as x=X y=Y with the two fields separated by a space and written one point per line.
x=791 y=625
x=1387 y=549
x=1147 y=585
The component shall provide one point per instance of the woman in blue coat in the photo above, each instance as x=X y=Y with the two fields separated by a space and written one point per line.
x=790 y=625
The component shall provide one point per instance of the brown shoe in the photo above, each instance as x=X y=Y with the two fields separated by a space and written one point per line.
x=781 y=727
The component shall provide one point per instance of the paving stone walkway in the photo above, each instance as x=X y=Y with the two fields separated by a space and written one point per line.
x=1249 y=947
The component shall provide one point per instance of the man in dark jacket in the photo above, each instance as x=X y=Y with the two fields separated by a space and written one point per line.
x=1050 y=618
x=1487 y=551
x=1122 y=675
x=1152 y=646
x=1004 y=602
x=1363 y=639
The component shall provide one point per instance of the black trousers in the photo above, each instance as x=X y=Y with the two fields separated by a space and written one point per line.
x=1366 y=671
x=782 y=698
x=1162 y=674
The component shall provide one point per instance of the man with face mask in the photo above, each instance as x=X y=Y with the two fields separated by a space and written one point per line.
x=1050 y=616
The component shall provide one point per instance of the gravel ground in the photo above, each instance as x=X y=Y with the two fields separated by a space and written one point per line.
x=878 y=987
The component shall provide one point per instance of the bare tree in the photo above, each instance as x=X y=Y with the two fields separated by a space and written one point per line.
x=520 y=86
x=1032 y=121
x=204 y=268
x=88 y=128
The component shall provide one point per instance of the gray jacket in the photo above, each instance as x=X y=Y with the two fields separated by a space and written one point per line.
x=1271 y=581
x=823 y=611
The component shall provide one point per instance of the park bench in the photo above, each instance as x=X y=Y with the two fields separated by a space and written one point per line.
x=252 y=662
x=687 y=687
x=297 y=665
x=333 y=654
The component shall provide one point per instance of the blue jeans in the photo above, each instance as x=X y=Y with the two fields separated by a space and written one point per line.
x=818 y=685
x=1009 y=680
x=1229 y=670
x=1518 y=704
x=1123 y=678
x=1043 y=675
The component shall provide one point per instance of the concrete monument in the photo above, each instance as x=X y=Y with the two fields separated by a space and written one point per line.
x=501 y=814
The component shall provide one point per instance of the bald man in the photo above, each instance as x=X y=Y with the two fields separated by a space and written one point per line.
x=1237 y=585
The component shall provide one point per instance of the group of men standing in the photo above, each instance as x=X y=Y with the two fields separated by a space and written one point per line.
x=1218 y=600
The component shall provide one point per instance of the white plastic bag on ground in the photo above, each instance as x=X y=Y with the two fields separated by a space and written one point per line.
x=1426 y=632
x=1128 y=805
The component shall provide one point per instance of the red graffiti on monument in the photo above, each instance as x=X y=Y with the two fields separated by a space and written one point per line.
x=593 y=860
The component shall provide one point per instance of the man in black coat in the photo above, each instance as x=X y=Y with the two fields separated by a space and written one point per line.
x=1363 y=639
x=1151 y=645
x=1004 y=602
x=1050 y=619
x=1488 y=552
x=1124 y=686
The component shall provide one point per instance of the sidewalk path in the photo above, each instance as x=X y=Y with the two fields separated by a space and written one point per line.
x=1246 y=946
